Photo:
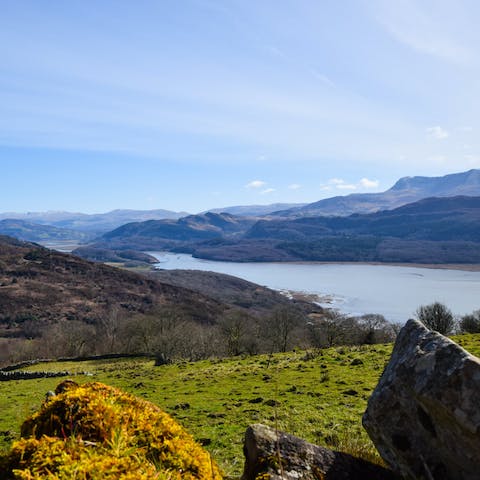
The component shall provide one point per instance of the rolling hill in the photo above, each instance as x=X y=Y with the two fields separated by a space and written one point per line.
x=166 y=234
x=41 y=287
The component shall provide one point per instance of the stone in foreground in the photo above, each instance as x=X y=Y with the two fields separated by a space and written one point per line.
x=424 y=415
x=280 y=456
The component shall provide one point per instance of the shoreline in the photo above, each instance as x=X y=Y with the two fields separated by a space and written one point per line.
x=466 y=267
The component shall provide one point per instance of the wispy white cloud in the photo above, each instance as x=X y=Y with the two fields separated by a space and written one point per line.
x=437 y=132
x=367 y=183
x=341 y=184
x=267 y=191
x=274 y=51
x=323 y=78
x=256 y=184
x=336 y=181
x=294 y=186
x=347 y=186
x=426 y=31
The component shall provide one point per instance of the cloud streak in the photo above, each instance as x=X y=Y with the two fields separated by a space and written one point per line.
x=427 y=32
x=437 y=132
x=340 y=184
x=366 y=183
x=255 y=184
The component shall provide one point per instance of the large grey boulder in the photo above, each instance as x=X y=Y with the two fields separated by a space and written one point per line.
x=280 y=456
x=424 y=415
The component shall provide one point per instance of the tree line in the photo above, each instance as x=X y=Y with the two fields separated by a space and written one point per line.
x=168 y=335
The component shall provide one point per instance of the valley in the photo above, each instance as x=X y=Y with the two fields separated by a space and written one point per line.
x=220 y=221
x=419 y=220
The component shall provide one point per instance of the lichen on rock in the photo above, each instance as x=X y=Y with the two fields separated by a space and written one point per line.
x=94 y=432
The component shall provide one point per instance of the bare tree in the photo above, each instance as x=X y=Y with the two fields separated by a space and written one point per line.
x=108 y=329
x=281 y=326
x=436 y=316
x=234 y=329
x=470 y=323
x=376 y=329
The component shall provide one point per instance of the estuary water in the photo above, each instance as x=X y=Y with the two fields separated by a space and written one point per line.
x=393 y=291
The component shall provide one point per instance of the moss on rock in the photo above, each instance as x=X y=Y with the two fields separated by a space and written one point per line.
x=94 y=432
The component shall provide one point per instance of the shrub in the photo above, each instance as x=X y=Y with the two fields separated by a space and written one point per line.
x=436 y=316
x=98 y=432
x=470 y=323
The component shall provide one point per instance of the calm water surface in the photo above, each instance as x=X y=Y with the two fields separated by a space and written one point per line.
x=395 y=292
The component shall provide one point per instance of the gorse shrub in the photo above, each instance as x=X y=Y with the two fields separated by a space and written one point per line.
x=95 y=432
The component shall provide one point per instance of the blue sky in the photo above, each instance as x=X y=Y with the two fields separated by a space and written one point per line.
x=195 y=104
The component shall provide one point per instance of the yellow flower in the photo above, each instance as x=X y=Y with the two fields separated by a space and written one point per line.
x=93 y=432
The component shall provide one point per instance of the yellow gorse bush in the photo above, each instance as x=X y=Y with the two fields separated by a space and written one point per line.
x=93 y=432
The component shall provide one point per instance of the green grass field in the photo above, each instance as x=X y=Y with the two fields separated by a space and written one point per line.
x=319 y=396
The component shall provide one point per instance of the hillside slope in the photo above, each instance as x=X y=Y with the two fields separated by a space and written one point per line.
x=41 y=288
x=164 y=234
x=47 y=286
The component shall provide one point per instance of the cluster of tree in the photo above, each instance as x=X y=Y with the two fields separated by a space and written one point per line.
x=168 y=334
x=440 y=318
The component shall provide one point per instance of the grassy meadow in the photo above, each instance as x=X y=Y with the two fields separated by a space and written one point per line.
x=317 y=395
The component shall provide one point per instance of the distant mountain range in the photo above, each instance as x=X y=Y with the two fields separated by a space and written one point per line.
x=406 y=190
x=356 y=227
x=433 y=230
x=448 y=218
x=97 y=223
x=33 y=232
x=257 y=210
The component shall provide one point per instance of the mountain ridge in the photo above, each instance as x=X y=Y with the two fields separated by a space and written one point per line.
x=96 y=222
x=405 y=190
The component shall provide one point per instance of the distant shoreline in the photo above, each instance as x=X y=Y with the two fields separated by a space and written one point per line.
x=467 y=267
x=68 y=246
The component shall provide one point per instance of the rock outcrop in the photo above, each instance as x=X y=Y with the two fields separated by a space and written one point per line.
x=424 y=415
x=280 y=456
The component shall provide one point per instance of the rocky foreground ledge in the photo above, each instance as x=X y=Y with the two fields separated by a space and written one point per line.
x=424 y=415
x=280 y=456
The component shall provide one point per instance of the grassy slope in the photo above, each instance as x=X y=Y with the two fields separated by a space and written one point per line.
x=320 y=398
